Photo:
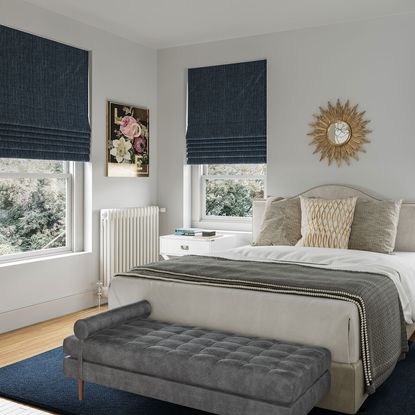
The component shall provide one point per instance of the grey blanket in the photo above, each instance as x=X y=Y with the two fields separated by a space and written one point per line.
x=382 y=325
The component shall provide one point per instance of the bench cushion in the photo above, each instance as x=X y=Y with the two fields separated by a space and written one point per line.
x=260 y=369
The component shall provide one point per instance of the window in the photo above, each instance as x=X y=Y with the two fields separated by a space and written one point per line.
x=226 y=191
x=35 y=207
x=227 y=161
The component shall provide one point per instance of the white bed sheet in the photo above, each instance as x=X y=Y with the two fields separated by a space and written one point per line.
x=399 y=266
x=333 y=324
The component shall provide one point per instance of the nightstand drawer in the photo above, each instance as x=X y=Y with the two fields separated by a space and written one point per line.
x=174 y=245
x=184 y=246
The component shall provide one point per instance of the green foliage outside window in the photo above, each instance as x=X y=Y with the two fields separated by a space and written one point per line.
x=231 y=195
x=32 y=210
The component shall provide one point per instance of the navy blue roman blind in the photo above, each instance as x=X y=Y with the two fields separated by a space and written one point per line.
x=227 y=114
x=43 y=98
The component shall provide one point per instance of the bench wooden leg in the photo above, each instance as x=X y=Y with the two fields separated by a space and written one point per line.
x=81 y=389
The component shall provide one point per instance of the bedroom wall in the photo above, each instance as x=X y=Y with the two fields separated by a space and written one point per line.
x=121 y=71
x=370 y=62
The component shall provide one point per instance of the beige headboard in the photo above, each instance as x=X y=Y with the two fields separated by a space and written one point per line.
x=405 y=239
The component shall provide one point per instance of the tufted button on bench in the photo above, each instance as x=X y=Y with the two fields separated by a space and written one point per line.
x=213 y=371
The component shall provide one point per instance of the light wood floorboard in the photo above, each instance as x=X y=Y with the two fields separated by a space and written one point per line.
x=29 y=341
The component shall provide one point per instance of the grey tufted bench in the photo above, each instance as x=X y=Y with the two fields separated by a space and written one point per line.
x=216 y=372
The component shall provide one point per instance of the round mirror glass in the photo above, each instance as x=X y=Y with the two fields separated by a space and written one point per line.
x=339 y=132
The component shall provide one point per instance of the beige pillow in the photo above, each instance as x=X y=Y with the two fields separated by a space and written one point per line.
x=326 y=223
x=375 y=225
x=281 y=224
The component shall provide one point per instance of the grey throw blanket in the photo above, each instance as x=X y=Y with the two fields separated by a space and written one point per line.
x=382 y=325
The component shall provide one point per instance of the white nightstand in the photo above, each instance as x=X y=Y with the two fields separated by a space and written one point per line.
x=177 y=245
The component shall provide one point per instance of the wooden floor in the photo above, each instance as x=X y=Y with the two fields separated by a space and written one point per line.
x=29 y=341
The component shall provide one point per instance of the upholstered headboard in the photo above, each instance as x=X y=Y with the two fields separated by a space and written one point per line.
x=405 y=239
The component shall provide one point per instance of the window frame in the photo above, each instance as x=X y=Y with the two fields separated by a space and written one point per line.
x=199 y=177
x=73 y=173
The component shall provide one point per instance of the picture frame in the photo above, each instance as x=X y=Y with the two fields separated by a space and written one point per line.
x=128 y=136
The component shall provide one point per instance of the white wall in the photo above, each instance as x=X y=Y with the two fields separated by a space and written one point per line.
x=370 y=62
x=122 y=71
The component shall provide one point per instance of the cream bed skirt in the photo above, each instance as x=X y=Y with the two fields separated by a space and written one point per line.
x=333 y=324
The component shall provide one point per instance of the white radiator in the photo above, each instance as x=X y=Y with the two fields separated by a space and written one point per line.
x=129 y=237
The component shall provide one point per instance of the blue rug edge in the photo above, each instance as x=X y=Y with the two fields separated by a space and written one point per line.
x=29 y=402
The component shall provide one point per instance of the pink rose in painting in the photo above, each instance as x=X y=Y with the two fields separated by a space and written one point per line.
x=130 y=127
x=140 y=144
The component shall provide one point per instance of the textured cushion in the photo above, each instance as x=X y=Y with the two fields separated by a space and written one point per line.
x=261 y=369
x=375 y=225
x=282 y=222
x=326 y=223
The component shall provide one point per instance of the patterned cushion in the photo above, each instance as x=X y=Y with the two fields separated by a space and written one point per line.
x=257 y=368
x=281 y=224
x=326 y=223
x=375 y=225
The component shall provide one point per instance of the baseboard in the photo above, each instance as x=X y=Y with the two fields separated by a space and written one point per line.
x=26 y=316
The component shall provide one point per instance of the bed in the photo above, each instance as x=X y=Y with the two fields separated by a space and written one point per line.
x=331 y=323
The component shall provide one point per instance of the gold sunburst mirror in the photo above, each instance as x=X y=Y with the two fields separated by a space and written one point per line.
x=339 y=132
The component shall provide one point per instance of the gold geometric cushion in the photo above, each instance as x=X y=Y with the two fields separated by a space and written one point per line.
x=326 y=223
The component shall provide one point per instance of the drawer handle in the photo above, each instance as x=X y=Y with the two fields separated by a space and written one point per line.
x=184 y=247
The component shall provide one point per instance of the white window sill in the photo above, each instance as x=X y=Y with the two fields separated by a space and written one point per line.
x=40 y=258
x=224 y=225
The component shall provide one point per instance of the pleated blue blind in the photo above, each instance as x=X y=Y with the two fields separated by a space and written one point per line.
x=227 y=114
x=43 y=98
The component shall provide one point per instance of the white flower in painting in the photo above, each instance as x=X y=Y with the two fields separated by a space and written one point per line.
x=121 y=150
x=144 y=130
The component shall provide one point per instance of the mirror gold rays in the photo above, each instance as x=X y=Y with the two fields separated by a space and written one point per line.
x=339 y=132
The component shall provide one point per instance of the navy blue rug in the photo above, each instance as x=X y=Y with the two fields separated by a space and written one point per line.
x=39 y=381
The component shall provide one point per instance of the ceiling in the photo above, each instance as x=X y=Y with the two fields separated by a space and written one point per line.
x=166 y=23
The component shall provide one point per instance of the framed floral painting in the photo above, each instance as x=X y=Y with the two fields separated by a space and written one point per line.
x=127 y=141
